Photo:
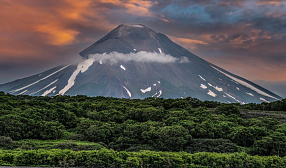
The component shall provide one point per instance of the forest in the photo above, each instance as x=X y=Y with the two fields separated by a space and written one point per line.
x=152 y=132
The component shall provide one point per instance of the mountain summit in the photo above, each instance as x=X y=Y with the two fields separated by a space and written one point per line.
x=124 y=39
x=133 y=61
x=133 y=38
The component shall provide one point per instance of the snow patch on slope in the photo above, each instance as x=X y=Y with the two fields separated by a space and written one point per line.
x=202 y=78
x=234 y=82
x=48 y=91
x=218 y=89
x=122 y=67
x=262 y=99
x=203 y=86
x=211 y=93
x=250 y=94
x=154 y=94
x=146 y=90
x=81 y=67
x=23 y=92
x=241 y=102
x=128 y=92
x=160 y=50
x=44 y=87
x=245 y=84
x=160 y=93
x=13 y=91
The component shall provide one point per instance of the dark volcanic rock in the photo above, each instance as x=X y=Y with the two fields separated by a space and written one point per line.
x=133 y=61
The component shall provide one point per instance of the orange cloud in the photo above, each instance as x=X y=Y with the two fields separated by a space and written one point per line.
x=133 y=7
x=46 y=30
x=269 y=2
x=58 y=35
x=57 y=27
x=35 y=29
x=51 y=20
x=189 y=43
x=24 y=18
x=76 y=9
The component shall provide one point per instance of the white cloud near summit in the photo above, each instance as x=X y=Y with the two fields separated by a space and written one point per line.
x=141 y=56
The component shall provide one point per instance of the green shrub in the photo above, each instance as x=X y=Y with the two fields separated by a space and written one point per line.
x=242 y=136
x=227 y=109
x=6 y=142
x=77 y=137
x=110 y=158
x=212 y=145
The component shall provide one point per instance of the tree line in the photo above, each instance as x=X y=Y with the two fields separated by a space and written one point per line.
x=110 y=158
x=133 y=125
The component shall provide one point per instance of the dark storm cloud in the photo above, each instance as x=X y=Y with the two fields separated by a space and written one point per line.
x=218 y=13
x=250 y=29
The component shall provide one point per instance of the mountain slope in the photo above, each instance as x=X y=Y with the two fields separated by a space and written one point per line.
x=133 y=61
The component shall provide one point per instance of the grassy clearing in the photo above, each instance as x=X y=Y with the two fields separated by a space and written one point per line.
x=279 y=115
x=34 y=144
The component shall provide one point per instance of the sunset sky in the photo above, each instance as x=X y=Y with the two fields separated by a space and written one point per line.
x=245 y=37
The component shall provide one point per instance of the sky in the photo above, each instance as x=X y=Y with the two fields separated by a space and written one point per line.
x=245 y=37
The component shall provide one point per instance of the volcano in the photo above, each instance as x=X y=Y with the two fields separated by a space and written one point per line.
x=134 y=61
